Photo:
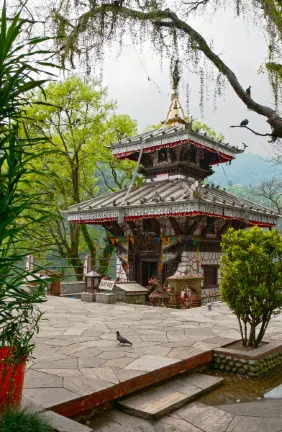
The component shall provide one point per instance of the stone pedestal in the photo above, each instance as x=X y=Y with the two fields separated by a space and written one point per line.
x=159 y=299
x=105 y=298
x=88 y=297
x=176 y=284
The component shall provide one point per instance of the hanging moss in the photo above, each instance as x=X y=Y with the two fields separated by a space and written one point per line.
x=102 y=22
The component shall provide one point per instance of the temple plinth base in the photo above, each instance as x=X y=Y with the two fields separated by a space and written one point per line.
x=159 y=299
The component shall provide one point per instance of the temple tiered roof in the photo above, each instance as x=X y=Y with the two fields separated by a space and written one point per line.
x=179 y=197
x=172 y=187
x=171 y=137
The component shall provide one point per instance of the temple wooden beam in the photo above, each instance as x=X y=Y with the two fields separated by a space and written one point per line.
x=175 y=226
x=238 y=224
x=156 y=226
x=132 y=226
x=207 y=228
x=187 y=224
x=193 y=226
x=113 y=228
x=227 y=224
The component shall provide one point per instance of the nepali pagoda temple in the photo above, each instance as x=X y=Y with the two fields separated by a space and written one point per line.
x=172 y=225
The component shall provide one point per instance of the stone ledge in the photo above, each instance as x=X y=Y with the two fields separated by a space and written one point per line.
x=268 y=348
x=92 y=401
x=252 y=363
x=88 y=297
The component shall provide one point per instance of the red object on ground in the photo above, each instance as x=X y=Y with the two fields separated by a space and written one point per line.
x=55 y=288
x=11 y=380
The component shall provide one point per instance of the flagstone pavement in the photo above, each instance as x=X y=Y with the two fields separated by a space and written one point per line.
x=76 y=352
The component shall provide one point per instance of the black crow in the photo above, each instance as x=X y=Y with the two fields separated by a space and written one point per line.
x=244 y=123
x=122 y=340
x=248 y=91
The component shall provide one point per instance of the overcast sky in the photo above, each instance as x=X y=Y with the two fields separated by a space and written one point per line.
x=241 y=45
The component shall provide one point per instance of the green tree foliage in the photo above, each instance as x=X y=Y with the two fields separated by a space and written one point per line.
x=172 y=33
x=79 y=124
x=251 y=284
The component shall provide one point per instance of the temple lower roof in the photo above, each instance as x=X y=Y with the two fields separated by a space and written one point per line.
x=171 y=137
x=178 y=197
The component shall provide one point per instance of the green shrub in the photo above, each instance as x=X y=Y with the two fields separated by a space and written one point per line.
x=24 y=421
x=21 y=65
x=251 y=271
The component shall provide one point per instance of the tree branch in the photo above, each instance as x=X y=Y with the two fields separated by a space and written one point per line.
x=169 y=19
x=256 y=133
x=104 y=178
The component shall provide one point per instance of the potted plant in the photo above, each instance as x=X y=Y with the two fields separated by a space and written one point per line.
x=19 y=311
x=19 y=318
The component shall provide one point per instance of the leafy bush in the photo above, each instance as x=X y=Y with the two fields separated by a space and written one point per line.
x=24 y=421
x=19 y=65
x=251 y=284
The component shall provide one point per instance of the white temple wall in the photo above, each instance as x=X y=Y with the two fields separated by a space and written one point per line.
x=120 y=273
x=189 y=262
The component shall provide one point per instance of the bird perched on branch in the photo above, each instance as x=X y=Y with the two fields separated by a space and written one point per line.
x=248 y=91
x=244 y=123
x=122 y=340
x=245 y=145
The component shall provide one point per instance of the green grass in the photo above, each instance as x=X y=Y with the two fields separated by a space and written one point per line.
x=24 y=421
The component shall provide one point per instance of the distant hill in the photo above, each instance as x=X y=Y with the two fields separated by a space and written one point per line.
x=246 y=169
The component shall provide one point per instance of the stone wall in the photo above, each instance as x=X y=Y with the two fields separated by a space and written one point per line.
x=72 y=287
x=244 y=366
x=189 y=262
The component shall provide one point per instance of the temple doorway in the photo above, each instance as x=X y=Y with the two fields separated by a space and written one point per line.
x=149 y=269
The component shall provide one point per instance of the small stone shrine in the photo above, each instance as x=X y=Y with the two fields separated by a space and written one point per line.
x=126 y=292
x=172 y=225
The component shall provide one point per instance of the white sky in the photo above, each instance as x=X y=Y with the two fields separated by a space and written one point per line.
x=241 y=45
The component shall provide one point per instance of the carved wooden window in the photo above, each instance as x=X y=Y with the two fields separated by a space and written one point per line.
x=210 y=276
x=147 y=225
x=193 y=154
x=210 y=225
x=162 y=155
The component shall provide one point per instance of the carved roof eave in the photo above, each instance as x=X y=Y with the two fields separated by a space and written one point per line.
x=171 y=137
x=191 y=208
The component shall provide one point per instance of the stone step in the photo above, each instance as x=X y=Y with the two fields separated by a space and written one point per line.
x=164 y=398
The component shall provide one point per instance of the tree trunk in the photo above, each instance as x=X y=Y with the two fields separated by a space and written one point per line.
x=104 y=261
x=252 y=336
x=241 y=330
x=73 y=255
x=246 y=334
x=90 y=244
x=261 y=332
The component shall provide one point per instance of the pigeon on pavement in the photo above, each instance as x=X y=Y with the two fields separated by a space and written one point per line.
x=122 y=340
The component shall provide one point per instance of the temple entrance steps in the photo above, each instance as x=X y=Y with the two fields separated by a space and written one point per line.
x=160 y=400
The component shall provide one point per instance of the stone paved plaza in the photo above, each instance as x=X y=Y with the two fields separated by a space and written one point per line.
x=260 y=416
x=77 y=355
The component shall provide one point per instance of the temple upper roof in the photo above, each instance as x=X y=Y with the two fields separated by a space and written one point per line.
x=172 y=136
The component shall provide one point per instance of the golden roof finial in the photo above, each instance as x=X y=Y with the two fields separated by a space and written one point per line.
x=175 y=115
